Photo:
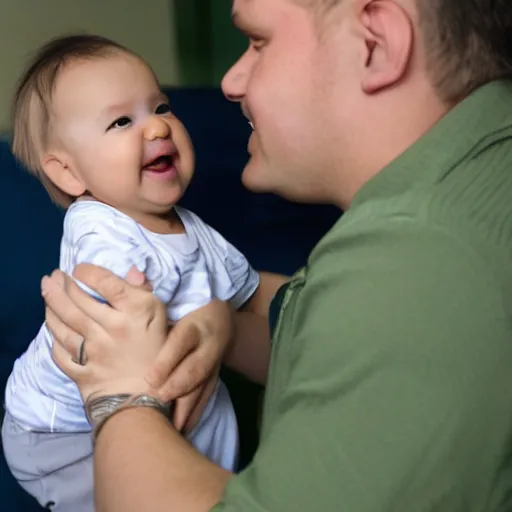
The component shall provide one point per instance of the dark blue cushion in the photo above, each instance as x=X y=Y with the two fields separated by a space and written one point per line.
x=31 y=234
x=275 y=235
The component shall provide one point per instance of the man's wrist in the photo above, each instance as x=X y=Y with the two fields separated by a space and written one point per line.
x=100 y=409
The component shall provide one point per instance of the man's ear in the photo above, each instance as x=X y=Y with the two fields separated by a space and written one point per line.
x=388 y=34
x=57 y=166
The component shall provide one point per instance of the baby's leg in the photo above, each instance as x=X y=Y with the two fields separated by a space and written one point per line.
x=55 y=468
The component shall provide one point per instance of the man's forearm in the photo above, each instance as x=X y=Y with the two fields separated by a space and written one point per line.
x=249 y=352
x=142 y=463
x=269 y=284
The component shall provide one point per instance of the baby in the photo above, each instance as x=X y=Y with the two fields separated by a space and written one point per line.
x=91 y=122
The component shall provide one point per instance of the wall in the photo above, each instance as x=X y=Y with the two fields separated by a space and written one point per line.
x=143 y=27
x=227 y=42
x=208 y=44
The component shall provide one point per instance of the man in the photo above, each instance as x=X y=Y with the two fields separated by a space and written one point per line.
x=388 y=386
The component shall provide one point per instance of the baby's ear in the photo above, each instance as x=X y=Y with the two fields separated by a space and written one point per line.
x=59 y=169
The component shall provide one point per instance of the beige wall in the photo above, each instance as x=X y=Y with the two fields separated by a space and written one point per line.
x=25 y=24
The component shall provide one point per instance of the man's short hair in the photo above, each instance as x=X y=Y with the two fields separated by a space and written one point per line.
x=467 y=42
x=31 y=110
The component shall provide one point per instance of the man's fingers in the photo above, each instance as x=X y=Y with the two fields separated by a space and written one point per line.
x=96 y=310
x=63 y=335
x=172 y=353
x=116 y=291
x=189 y=409
x=187 y=376
x=138 y=279
x=183 y=408
x=58 y=277
x=64 y=361
x=57 y=300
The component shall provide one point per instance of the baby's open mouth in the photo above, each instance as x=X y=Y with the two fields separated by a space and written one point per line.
x=162 y=163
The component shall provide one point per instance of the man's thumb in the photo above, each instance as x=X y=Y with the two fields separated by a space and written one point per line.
x=136 y=278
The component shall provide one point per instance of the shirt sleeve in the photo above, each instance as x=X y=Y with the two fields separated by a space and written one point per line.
x=117 y=245
x=245 y=279
x=395 y=387
x=233 y=278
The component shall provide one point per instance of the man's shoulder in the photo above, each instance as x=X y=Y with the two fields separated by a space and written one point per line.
x=441 y=222
x=373 y=230
x=403 y=271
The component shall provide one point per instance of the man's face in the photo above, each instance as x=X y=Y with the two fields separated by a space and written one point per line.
x=288 y=84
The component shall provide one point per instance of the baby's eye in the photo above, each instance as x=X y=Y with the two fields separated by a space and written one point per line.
x=163 y=108
x=122 y=122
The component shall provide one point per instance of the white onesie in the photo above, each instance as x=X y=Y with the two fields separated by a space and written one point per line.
x=186 y=272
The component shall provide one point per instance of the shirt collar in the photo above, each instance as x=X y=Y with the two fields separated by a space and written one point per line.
x=480 y=120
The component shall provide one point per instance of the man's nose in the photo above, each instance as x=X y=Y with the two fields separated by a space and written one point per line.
x=234 y=83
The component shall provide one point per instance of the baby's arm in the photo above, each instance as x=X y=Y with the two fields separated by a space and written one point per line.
x=115 y=244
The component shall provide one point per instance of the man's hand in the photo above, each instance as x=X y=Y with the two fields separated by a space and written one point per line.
x=188 y=364
x=120 y=339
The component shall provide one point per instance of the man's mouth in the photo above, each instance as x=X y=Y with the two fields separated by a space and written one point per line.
x=247 y=115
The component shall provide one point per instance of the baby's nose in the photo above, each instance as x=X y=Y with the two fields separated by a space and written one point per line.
x=156 y=128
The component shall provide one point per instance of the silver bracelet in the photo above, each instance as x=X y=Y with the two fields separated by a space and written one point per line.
x=100 y=410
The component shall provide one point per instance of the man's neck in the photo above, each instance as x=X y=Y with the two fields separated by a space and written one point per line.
x=390 y=126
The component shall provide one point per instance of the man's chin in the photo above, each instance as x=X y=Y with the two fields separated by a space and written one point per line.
x=253 y=178
x=261 y=180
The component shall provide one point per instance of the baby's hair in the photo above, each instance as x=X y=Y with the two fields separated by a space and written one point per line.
x=31 y=111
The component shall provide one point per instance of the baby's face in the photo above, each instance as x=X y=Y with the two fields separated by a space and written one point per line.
x=118 y=135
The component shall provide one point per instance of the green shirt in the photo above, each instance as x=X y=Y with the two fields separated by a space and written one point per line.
x=390 y=386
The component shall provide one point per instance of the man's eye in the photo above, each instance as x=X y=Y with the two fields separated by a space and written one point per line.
x=257 y=44
x=122 y=122
x=163 y=108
